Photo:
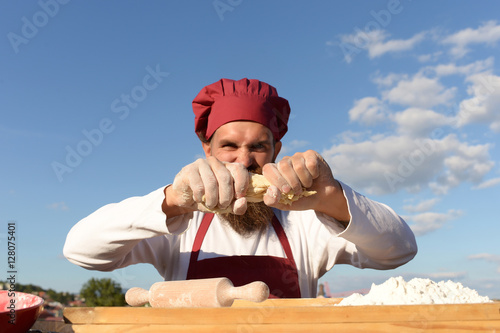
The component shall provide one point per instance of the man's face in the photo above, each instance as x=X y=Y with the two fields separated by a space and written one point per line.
x=252 y=145
x=245 y=142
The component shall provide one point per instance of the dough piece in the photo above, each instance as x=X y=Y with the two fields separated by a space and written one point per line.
x=257 y=188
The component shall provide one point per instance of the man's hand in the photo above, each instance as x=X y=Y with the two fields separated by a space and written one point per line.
x=207 y=184
x=306 y=170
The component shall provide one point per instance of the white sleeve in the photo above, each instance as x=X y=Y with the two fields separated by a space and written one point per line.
x=376 y=237
x=129 y=232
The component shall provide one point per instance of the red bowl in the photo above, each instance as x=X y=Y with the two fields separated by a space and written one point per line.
x=18 y=311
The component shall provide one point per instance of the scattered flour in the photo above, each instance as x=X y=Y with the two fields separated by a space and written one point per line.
x=396 y=291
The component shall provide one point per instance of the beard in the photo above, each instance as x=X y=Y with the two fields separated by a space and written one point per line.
x=257 y=218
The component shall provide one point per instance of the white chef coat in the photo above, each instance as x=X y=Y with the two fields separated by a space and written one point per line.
x=135 y=231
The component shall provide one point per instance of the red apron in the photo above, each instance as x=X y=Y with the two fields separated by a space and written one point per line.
x=280 y=274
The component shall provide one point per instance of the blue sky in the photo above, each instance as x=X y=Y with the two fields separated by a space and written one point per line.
x=400 y=97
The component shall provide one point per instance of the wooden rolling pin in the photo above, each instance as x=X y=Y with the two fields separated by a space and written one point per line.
x=217 y=292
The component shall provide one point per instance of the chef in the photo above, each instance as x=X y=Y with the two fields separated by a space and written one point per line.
x=202 y=225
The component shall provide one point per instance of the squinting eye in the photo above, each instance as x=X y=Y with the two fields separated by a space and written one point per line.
x=259 y=147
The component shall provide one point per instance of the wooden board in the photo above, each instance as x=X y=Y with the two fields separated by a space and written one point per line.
x=287 y=302
x=300 y=315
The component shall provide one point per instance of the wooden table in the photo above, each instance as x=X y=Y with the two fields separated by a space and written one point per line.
x=289 y=315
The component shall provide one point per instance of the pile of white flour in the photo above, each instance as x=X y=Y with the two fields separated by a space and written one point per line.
x=396 y=291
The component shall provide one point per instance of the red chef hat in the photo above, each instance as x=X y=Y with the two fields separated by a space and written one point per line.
x=228 y=100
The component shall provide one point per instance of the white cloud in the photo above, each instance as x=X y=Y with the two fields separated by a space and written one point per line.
x=350 y=137
x=422 y=206
x=484 y=105
x=441 y=276
x=420 y=153
x=465 y=163
x=488 y=33
x=58 y=206
x=395 y=45
x=368 y=111
x=429 y=57
x=419 y=91
x=417 y=122
x=387 y=164
x=487 y=183
x=375 y=42
x=424 y=57
x=292 y=146
x=487 y=257
x=389 y=79
x=472 y=68
x=424 y=223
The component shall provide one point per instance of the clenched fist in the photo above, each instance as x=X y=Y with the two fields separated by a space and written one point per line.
x=209 y=184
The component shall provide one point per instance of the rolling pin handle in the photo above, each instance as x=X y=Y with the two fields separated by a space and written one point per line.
x=137 y=296
x=256 y=292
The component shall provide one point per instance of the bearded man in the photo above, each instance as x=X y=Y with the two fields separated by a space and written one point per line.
x=204 y=224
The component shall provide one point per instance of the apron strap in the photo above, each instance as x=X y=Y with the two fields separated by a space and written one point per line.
x=283 y=239
x=200 y=236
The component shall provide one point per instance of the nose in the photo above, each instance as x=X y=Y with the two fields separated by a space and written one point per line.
x=246 y=158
